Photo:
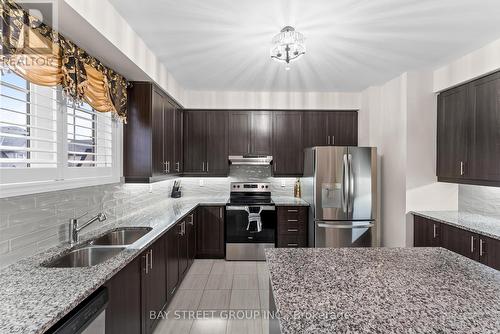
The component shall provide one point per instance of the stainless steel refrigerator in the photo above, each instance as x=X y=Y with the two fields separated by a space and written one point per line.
x=340 y=183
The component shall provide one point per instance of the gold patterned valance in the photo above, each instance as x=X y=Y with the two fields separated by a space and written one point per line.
x=39 y=54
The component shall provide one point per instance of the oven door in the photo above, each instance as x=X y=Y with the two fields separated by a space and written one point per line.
x=242 y=224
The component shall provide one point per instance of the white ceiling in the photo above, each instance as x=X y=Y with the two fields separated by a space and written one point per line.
x=351 y=44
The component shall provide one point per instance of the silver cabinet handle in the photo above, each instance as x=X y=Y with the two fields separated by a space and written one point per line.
x=293 y=210
x=472 y=244
x=333 y=140
x=147 y=263
x=434 y=231
x=292 y=230
x=462 y=169
x=292 y=220
x=191 y=220
x=207 y=166
x=151 y=260
x=180 y=229
x=328 y=140
x=220 y=212
x=481 y=242
x=274 y=165
x=203 y=166
x=293 y=245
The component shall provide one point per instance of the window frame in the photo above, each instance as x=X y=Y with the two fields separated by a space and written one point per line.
x=60 y=177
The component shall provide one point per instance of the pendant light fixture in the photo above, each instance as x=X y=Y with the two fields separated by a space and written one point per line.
x=288 y=46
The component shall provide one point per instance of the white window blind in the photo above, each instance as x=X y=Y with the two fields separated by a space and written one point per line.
x=90 y=140
x=28 y=127
x=47 y=137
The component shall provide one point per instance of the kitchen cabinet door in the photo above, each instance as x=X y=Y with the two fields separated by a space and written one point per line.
x=217 y=144
x=453 y=135
x=261 y=133
x=460 y=241
x=158 y=134
x=124 y=313
x=239 y=132
x=426 y=232
x=489 y=252
x=154 y=295
x=183 y=249
x=191 y=238
x=172 y=259
x=210 y=232
x=314 y=128
x=342 y=128
x=484 y=103
x=178 y=140
x=288 y=154
x=195 y=145
x=169 y=136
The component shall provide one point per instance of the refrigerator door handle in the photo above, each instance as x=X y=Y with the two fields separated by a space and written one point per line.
x=350 y=201
x=346 y=226
x=345 y=183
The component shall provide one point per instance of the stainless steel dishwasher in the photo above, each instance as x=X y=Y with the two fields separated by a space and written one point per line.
x=87 y=318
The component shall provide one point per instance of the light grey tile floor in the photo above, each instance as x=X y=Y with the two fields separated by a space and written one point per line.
x=214 y=288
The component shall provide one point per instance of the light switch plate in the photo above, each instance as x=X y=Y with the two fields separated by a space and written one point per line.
x=202 y=182
x=283 y=183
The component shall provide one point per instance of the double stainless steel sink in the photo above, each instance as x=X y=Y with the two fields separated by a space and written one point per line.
x=99 y=249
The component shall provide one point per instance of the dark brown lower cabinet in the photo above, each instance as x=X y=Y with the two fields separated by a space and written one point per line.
x=154 y=294
x=429 y=233
x=489 y=252
x=292 y=226
x=172 y=259
x=124 y=312
x=210 y=232
x=426 y=233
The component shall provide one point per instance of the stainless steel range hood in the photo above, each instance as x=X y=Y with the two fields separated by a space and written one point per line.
x=253 y=160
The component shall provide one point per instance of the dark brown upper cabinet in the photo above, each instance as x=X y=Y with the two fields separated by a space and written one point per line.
x=151 y=135
x=484 y=99
x=250 y=132
x=288 y=153
x=468 y=138
x=206 y=143
x=453 y=135
x=324 y=128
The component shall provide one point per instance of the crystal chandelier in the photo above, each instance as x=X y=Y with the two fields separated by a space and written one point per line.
x=288 y=45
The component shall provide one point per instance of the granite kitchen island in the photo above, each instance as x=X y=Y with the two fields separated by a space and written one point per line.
x=382 y=290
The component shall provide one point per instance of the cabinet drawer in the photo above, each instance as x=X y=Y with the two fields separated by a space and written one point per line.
x=290 y=241
x=292 y=228
x=292 y=214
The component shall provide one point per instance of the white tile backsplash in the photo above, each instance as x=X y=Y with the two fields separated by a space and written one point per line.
x=479 y=200
x=32 y=223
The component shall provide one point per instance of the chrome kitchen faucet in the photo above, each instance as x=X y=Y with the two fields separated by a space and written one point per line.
x=74 y=229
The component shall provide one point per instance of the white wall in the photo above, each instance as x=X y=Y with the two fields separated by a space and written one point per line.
x=106 y=20
x=272 y=100
x=402 y=124
x=468 y=67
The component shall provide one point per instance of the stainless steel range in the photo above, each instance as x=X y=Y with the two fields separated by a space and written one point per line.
x=250 y=221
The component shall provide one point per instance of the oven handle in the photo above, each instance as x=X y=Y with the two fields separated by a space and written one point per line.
x=244 y=208
x=345 y=226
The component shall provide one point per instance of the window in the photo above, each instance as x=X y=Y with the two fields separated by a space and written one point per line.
x=47 y=137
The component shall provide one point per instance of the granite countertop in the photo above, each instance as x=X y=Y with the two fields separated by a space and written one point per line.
x=488 y=226
x=383 y=290
x=34 y=298
x=289 y=200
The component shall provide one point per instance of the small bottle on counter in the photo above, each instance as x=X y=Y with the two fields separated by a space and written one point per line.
x=297 y=192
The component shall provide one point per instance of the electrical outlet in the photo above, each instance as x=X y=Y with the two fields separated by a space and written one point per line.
x=202 y=182
x=283 y=184
x=150 y=188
